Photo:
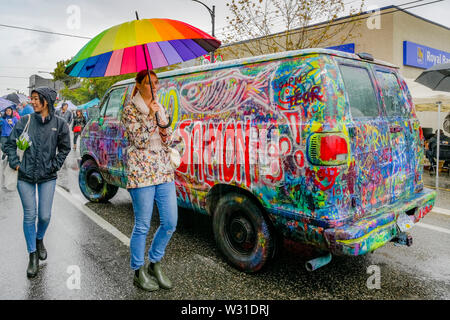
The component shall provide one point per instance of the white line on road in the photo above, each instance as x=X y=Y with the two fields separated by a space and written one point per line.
x=431 y=227
x=93 y=216
x=441 y=211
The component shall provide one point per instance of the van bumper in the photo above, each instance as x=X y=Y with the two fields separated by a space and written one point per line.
x=372 y=232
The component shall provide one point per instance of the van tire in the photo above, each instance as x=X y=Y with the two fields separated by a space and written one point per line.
x=242 y=233
x=102 y=191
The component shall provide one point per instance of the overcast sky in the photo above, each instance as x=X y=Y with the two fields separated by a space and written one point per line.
x=24 y=53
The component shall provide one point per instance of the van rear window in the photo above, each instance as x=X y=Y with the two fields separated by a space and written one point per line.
x=360 y=92
x=392 y=94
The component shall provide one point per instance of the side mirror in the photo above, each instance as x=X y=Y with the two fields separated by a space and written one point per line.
x=93 y=113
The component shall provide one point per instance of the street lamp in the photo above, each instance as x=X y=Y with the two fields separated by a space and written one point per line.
x=212 y=12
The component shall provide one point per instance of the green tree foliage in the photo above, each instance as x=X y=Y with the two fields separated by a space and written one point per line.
x=58 y=73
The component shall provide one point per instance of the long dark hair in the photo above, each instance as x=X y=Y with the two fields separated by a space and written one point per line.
x=140 y=76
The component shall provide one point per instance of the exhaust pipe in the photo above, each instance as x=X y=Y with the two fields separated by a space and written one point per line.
x=403 y=239
x=316 y=263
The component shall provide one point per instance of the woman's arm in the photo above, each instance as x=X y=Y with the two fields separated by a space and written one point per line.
x=138 y=136
x=63 y=146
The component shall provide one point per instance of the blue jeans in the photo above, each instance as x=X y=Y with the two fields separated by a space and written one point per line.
x=31 y=209
x=143 y=198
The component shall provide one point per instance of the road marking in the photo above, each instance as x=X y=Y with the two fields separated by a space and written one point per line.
x=431 y=227
x=441 y=211
x=93 y=216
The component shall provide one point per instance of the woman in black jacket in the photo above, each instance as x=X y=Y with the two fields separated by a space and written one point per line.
x=49 y=145
x=78 y=125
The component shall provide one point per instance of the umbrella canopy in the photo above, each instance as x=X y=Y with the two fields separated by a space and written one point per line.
x=89 y=104
x=16 y=98
x=140 y=45
x=5 y=103
x=70 y=105
x=425 y=98
x=436 y=78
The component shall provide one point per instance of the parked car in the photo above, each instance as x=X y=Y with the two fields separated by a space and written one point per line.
x=317 y=146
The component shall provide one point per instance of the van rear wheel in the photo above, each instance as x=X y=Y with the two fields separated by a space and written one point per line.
x=242 y=233
x=92 y=184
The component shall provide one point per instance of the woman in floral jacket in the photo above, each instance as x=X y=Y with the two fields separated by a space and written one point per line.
x=150 y=177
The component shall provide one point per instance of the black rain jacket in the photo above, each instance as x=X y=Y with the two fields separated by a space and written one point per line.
x=50 y=144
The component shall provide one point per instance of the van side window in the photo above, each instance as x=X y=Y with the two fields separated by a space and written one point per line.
x=114 y=103
x=360 y=91
x=392 y=94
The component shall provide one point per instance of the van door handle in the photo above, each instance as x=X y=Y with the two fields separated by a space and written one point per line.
x=395 y=129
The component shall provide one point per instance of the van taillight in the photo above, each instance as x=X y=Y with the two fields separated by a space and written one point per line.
x=327 y=149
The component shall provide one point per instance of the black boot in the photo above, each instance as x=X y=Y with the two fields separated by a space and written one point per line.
x=33 y=265
x=42 y=252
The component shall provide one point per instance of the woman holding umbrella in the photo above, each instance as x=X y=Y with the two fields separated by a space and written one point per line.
x=140 y=46
x=150 y=177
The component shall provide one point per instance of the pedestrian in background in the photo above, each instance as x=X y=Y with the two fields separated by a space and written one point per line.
x=26 y=109
x=8 y=123
x=77 y=127
x=150 y=178
x=65 y=114
x=49 y=146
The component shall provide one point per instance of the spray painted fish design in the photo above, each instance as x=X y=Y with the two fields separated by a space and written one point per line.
x=227 y=90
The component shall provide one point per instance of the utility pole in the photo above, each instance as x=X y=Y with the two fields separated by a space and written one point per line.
x=212 y=12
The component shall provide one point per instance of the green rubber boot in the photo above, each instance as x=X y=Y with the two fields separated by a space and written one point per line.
x=156 y=271
x=144 y=281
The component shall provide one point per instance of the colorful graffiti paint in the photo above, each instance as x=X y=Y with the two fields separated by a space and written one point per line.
x=250 y=125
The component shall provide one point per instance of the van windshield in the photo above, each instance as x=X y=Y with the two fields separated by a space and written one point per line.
x=360 y=91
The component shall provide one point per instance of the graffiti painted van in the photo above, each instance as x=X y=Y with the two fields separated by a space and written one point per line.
x=316 y=146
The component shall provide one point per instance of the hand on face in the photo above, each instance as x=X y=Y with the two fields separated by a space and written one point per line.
x=154 y=107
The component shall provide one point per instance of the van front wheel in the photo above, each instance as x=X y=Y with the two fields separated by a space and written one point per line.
x=242 y=233
x=92 y=184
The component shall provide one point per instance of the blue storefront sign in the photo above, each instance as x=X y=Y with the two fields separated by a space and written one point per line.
x=349 y=47
x=424 y=57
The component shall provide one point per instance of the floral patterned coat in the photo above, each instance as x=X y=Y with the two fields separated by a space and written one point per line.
x=148 y=160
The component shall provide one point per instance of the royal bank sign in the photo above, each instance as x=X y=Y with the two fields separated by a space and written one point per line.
x=417 y=55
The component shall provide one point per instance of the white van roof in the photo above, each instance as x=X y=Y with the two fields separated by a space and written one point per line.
x=261 y=58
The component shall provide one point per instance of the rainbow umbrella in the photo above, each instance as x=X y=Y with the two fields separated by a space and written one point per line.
x=138 y=45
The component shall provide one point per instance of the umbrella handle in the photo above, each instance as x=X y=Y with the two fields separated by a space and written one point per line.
x=160 y=125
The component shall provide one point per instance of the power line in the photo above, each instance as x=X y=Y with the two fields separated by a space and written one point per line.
x=43 y=31
x=278 y=17
x=280 y=23
x=14 y=77
x=308 y=29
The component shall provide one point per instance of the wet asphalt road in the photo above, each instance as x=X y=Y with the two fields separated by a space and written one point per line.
x=75 y=242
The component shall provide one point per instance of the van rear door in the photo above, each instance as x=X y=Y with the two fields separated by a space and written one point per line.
x=403 y=133
x=368 y=132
